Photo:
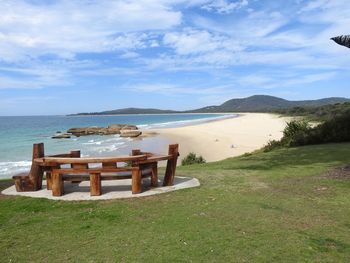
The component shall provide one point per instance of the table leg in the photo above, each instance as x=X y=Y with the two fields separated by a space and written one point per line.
x=57 y=184
x=154 y=175
x=136 y=186
x=95 y=184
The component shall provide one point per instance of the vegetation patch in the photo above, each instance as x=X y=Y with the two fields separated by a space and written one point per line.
x=328 y=244
x=320 y=113
x=192 y=158
x=299 y=132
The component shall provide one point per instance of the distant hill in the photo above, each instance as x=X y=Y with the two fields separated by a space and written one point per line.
x=127 y=111
x=256 y=103
x=264 y=103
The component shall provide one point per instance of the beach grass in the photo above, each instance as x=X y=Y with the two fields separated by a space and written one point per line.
x=278 y=206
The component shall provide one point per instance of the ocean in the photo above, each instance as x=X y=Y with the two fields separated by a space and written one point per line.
x=18 y=133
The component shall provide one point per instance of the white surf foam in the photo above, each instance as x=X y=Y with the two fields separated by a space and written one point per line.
x=8 y=169
x=188 y=122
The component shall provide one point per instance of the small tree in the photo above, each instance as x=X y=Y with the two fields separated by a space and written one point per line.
x=191 y=158
x=294 y=127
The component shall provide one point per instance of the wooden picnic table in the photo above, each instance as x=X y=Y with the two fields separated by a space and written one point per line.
x=71 y=167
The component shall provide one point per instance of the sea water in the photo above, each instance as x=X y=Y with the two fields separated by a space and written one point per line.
x=18 y=133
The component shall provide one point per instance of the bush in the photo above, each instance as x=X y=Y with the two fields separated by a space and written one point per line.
x=191 y=158
x=295 y=133
x=334 y=130
x=295 y=127
x=298 y=133
x=272 y=144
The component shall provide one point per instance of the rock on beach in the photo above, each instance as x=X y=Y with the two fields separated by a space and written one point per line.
x=61 y=136
x=125 y=130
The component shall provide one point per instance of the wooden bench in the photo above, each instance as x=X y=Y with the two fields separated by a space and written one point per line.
x=32 y=181
x=143 y=164
x=94 y=170
x=70 y=167
x=171 y=158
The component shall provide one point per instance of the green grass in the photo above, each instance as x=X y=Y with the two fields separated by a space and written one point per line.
x=265 y=207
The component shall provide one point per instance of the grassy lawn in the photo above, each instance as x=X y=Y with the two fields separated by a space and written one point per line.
x=276 y=206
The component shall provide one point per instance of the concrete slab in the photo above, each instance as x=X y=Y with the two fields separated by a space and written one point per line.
x=114 y=189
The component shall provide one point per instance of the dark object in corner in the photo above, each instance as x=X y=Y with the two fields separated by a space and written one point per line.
x=343 y=40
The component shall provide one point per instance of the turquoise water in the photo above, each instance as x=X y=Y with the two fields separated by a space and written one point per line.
x=17 y=135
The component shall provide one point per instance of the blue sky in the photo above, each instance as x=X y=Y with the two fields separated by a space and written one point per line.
x=59 y=57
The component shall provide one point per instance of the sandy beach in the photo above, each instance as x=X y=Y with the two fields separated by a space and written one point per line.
x=221 y=139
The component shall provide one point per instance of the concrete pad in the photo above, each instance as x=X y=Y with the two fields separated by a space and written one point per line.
x=114 y=189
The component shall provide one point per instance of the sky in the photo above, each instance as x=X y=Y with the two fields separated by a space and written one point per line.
x=69 y=56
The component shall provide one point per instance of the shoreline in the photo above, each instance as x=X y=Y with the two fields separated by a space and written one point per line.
x=220 y=139
x=215 y=139
x=146 y=114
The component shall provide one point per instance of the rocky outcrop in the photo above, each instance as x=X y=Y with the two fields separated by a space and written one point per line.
x=128 y=128
x=130 y=133
x=85 y=131
x=124 y=130
x=61 y=136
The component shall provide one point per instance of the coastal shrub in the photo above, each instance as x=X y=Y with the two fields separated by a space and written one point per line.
x=272 y=144
x=192 y=158
x=336 y=129
x=294 y=127
x=247 y=154
x=295 y=132
x=298 y=133
x=320 y=113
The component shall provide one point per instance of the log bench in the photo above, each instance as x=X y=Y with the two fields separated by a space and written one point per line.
x=95 y=170
x=70 y=167
x=32 y=181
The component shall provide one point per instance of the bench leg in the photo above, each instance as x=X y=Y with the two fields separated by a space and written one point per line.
x=24 y=185
x=136 y=186
x=171 y=165
x=18 y=184
x=57 y=184
x=95 y=184
x=48 y=181
x=169 y=173
x=154 y=175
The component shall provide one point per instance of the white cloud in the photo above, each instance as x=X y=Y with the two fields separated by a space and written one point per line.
x=313 y=5
x=36 y=75
x=282 y=80
x=130 y=54
x=192 y=41
x=255 y=25
x=224 y=6
x=235 y=86
x=24 y=99
x=198 y=47
x=174 y=90
x=263 y=37
x=65 y=28
x=26 y=83
x=309 y=78
x=168 y=36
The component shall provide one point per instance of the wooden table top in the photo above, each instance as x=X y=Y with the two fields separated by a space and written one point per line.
x=142 y=159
